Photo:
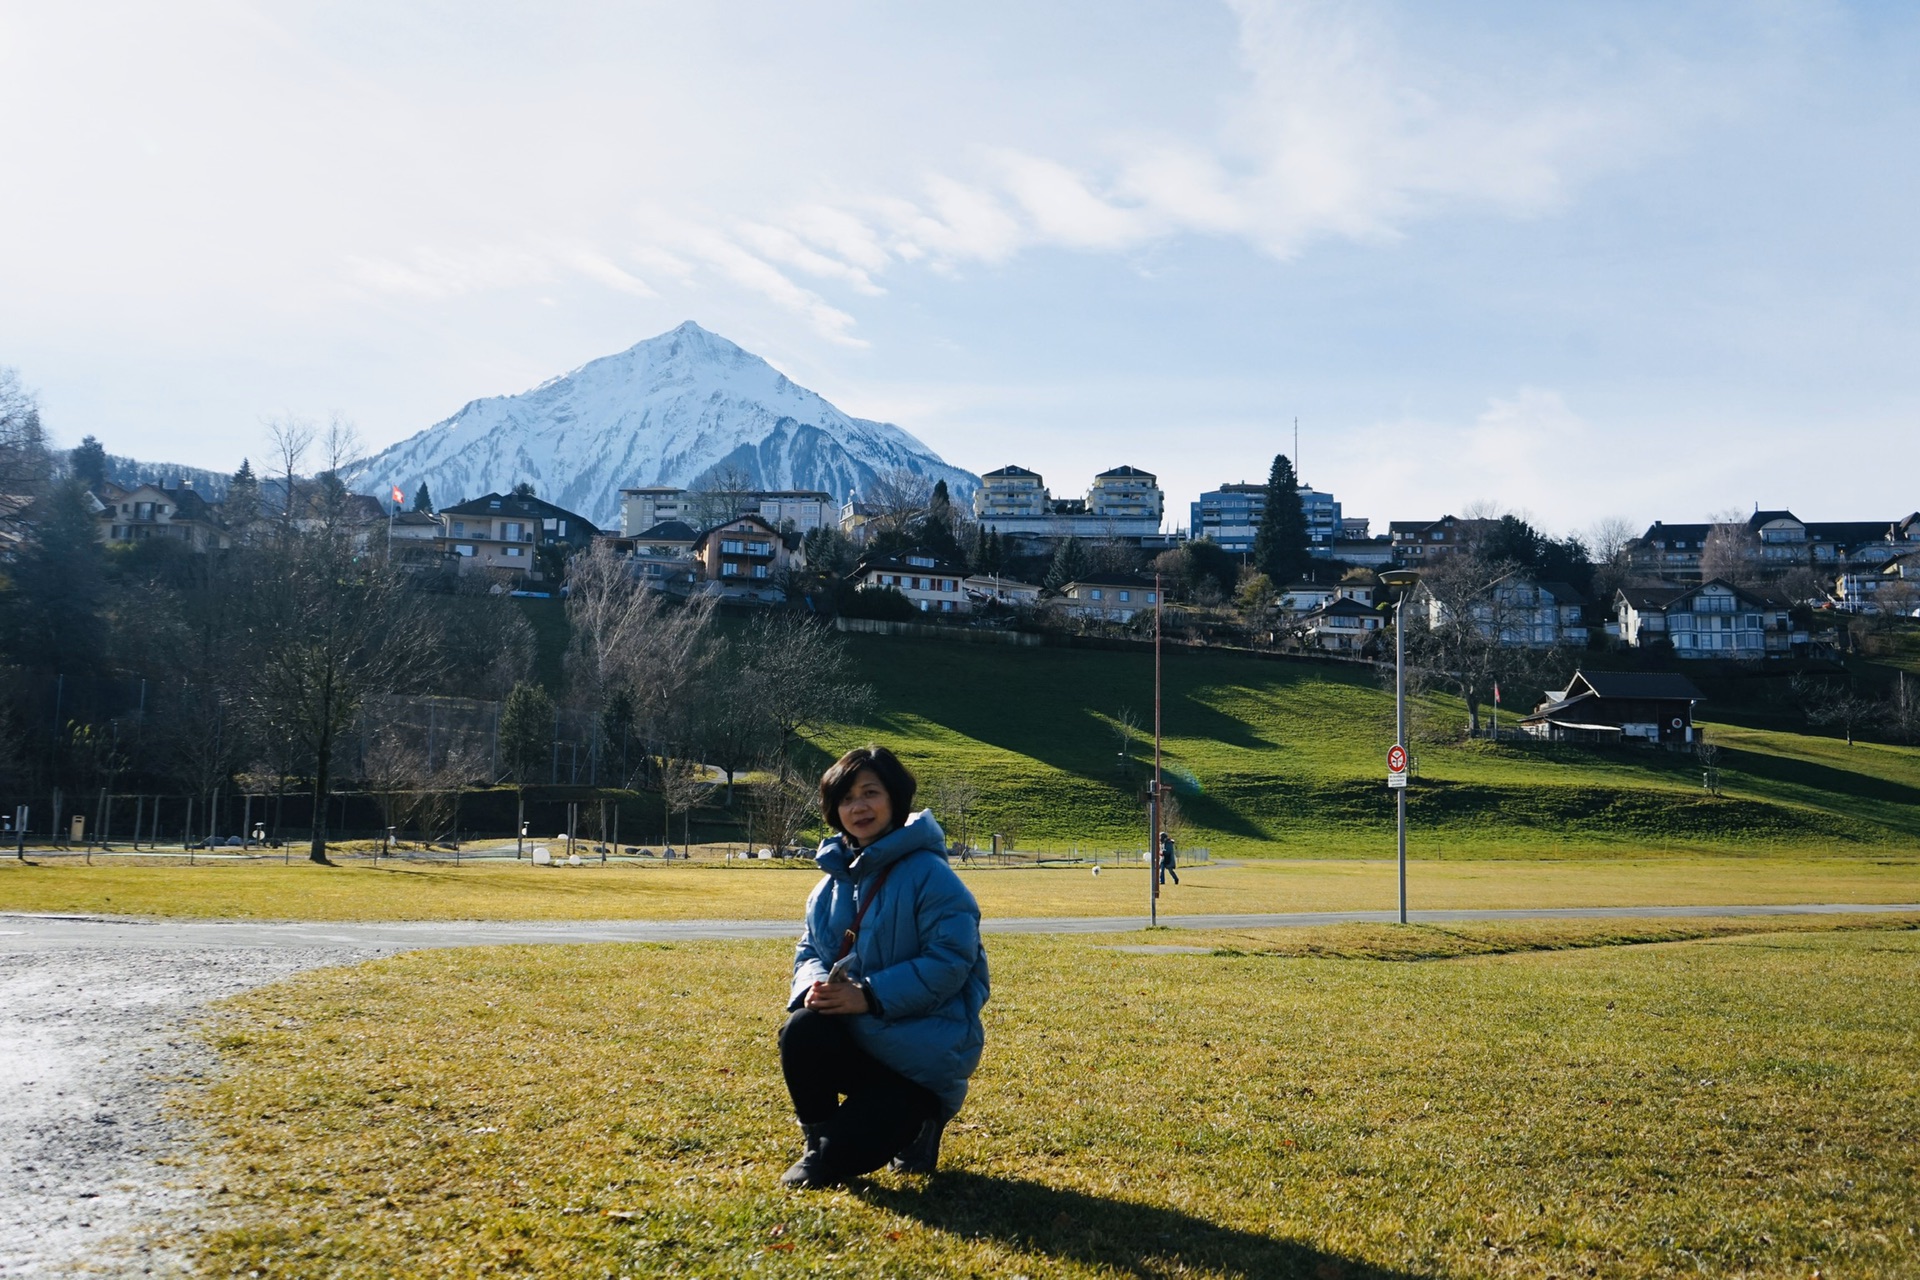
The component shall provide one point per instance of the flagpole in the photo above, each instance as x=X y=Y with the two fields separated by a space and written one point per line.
x=1153 y=802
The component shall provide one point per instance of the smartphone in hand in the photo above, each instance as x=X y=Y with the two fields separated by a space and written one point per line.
x=842 y=970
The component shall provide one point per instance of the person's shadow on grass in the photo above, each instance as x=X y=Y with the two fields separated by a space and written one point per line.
x=1127 y=1238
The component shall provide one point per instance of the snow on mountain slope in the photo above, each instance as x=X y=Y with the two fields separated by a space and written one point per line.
x=669 y=411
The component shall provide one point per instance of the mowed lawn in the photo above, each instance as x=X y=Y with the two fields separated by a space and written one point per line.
x=1288 y=758
x=496 y=891
x=1741 y=1105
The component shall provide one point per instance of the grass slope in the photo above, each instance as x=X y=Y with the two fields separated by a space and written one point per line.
x=1289 y=757
x=1742 y=1105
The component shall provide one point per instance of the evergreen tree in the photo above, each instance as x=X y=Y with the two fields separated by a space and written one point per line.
x=422 y=500
x=89 y=462
x=524 y=489
x=53 y=611
x=1069 y=565
x=242 y=506
x=1280 y=547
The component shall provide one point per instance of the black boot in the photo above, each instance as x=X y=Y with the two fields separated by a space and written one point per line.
x=923 y=1153
x=810 y=1169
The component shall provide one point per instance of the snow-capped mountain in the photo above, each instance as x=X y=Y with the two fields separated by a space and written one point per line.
x=673 y=410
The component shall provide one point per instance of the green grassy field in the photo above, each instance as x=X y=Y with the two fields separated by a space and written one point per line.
x=1742 y=1105
x=1288 y=758
x=390 y=891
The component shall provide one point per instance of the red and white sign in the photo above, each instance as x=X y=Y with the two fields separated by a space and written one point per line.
x=1397 y=766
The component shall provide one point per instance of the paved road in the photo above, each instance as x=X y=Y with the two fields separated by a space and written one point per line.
x=36 y=933
x=96 y=1021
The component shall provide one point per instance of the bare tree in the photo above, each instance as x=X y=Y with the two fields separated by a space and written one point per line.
x=1834 y=702
x=1126 y=731
x=783 y=806
x=723 y=493
x=626 y=636
x=954 y=796
x=24 y=461
x=801 y=681
x=290 y=439
x=1608 y=542
x=394 y=769
x=1730 y=553
x=1461 y=635
x=333 y=629
x=683 y=784
x=733 y=735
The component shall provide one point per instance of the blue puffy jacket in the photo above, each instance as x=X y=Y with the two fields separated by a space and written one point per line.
x=919 y=951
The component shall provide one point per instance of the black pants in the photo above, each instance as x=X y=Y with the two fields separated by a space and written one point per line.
x=883 y=1109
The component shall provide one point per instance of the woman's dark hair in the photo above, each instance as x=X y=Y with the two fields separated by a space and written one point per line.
x=894 y=776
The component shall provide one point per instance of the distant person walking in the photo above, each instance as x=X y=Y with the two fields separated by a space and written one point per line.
x=1166 y=858
x=888 y=981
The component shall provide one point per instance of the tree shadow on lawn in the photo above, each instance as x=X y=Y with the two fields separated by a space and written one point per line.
x=1130 y=1239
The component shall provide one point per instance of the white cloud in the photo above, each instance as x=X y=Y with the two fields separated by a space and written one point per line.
x=1338 y=131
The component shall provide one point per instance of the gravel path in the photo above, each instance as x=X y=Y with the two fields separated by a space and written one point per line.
x=93 y=1169
x=97 y=1019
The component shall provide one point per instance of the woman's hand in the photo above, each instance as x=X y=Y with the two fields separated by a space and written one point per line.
x=836 y=997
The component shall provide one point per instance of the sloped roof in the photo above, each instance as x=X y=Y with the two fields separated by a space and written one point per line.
x=1126 y=473
x=1110 y=580
x=668 y=531
x=516 y=504
x=1694 y=533
x=1637 y=685
x=1010 y=472
x=1344 y=607
x=1851 y=533
x=901 y=564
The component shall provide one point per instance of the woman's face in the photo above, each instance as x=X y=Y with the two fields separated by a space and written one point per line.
x=867 y=811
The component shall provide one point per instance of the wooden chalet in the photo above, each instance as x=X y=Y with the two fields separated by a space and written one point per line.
x=1618 y=706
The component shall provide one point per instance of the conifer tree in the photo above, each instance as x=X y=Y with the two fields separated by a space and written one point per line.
x=1069 y=565
x=422 y=500
x=242 y=506
x=89 y=462
x=1280 y=547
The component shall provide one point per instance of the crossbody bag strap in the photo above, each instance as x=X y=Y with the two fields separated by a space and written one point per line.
x=852 y=934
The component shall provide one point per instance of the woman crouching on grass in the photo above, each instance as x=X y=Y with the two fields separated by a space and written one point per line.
x=888 y=982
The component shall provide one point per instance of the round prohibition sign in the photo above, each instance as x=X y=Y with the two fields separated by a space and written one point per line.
x=1397 y=760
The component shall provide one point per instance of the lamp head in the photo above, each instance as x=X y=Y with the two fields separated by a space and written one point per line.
x=1399 y=579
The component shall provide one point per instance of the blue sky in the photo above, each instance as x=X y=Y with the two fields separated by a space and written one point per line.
x=1638 y=260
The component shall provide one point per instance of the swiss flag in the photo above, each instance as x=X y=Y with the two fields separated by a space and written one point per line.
x=397 y=495
x=1496 y=683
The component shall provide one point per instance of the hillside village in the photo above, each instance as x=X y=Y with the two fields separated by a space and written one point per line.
x=1759 y=589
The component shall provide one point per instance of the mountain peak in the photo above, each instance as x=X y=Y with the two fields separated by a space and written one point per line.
x=673 y=409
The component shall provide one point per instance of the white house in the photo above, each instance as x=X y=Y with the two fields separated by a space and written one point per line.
x=1339 y=626
x=1109 y=597
x=1713 y=620
x=934 y=585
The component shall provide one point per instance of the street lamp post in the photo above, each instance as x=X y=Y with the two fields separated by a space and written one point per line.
x=1399 y=581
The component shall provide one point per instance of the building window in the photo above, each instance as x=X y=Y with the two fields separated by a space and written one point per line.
x=514 y=552
x=759 y=571
x=464 y=549
x=1126 y=596
x=460 y=529
x=759 y=548
x=732 y=547
x=728 y=569
x=1150 y=599
x=1095 y=593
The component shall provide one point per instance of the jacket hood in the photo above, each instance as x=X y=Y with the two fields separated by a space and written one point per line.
x=920 y=831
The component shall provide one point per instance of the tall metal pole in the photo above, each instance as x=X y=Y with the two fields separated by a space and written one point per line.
x=1400 y=733
x=1153 y=794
